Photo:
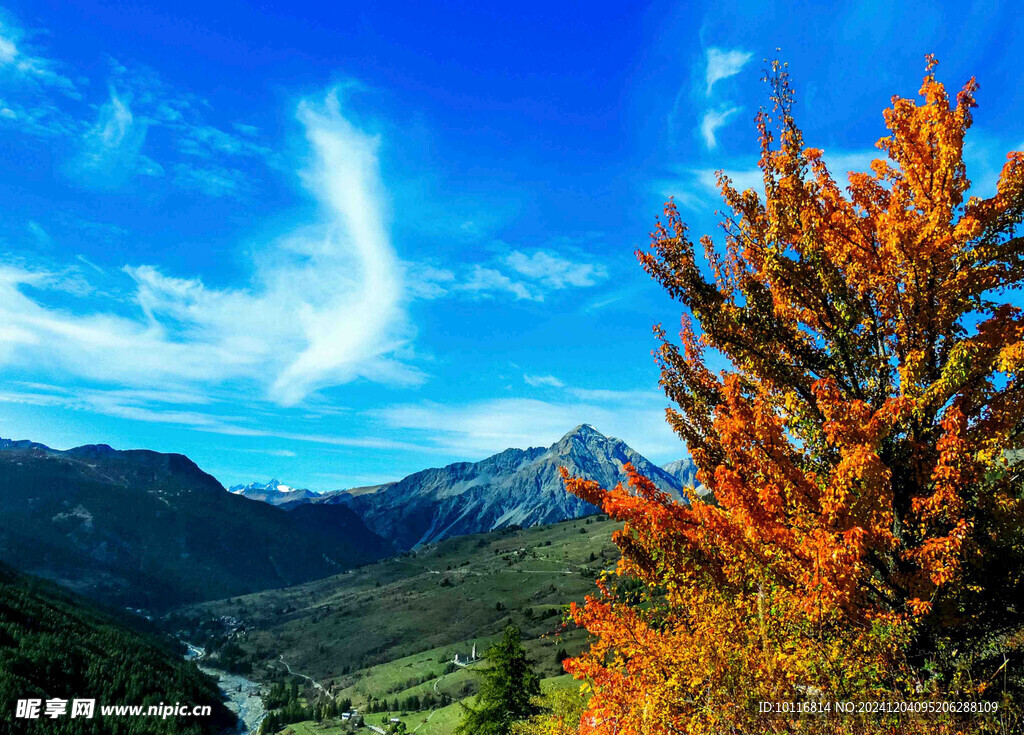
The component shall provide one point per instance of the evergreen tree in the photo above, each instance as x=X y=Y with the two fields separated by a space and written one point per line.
x=506 y=691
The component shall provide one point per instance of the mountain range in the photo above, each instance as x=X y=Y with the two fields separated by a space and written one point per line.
x=273 y=492
x=152 y=530
x=515 y=487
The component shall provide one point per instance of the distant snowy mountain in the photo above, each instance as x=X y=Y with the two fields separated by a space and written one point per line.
x=274 y=493
x=517 y=486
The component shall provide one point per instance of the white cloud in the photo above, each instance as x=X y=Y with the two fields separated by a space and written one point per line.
x=21 y=64
x=37 y=99
x=275 y=452
x=425 y=281
x=214 y=157
x=323 y=307
x=112 y=148
x=697 y=188
x=538 y=381
x=166 y=408
x=621 y=397
x=485 y=427
x=722 y=64
x=488 y=281
x=203 y=140
x=212 y=181
x=528 y=276
x=554 y=271
x=39 y=233
x=742 y=179
x=8 y=51
x=93 y=266
x=33 y=87
x=712 y=121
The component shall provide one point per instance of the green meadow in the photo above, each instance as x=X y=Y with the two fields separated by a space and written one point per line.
x=382 y=634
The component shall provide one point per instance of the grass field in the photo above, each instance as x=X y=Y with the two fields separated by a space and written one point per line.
x=389 y=631
x=440 y=721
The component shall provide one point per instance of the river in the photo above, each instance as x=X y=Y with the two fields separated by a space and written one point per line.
x=243 y=695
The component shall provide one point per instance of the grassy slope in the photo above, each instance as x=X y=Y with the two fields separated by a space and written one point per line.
x=389 y=629
x=440 y=721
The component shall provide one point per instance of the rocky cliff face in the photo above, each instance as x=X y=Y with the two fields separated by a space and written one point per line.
x=684 y=470
x=516 y=487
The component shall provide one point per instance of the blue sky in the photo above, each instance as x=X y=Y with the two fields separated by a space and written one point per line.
x=339 y=243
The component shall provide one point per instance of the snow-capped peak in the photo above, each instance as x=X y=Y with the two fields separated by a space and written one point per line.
x=273 y=492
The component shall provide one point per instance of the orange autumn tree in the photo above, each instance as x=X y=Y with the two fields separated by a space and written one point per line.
x=863 y=535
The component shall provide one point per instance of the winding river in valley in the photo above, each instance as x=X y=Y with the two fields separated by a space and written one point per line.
x=243 y=695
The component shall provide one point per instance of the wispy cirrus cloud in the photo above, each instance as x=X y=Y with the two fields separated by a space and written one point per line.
x=712 y=121
x=722 y=64
x=524 y=275
x=111 y=152
x=488 y=282
x=538 y=381
x=183 y=409
x=212 y=181
x=21 y=63
x=106 y=124
x=324 y=306
x=480 y=428
x=201 y=157
x=555 y=271
x=34 y=88
x=213 y=157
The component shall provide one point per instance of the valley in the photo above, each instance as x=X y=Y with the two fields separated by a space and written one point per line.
x=387 y=634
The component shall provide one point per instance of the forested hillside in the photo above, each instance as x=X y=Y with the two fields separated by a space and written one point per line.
x=55 y=645
x=151 y=530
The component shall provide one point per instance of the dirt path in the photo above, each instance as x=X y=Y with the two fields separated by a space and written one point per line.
x=315 y=683
x=432 y=713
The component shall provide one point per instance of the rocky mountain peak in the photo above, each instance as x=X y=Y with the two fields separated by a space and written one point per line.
x=94 y=451
x=514 y=487
x=274 y=492
x=583 y=436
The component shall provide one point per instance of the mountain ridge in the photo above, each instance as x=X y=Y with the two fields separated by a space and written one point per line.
x=151 y=530
x=513 y=487
x=684 y=470
x=273 y=492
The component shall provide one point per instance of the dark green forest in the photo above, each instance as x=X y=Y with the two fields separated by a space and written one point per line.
x=54 y=644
